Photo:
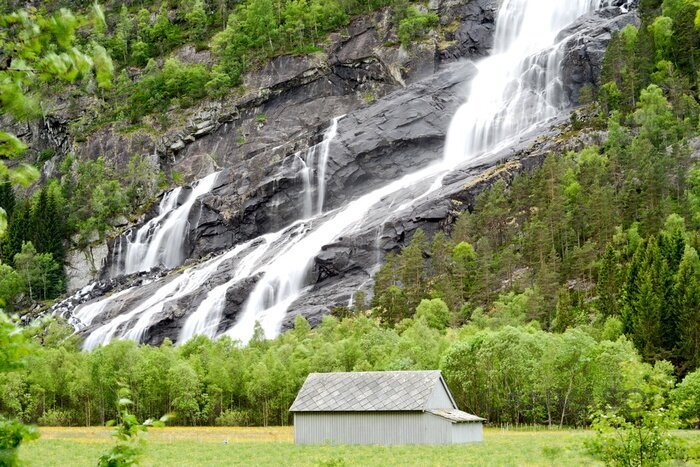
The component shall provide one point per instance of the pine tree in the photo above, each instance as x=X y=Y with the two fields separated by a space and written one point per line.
x=412 y=269
x=465 y=264
x=608 y=284
x=48 y=225
x=39 y=227
x=443 y=272
x=19 y=231
x=7 y=198
x=646 y=301
x=568 y=315
x=688 y=305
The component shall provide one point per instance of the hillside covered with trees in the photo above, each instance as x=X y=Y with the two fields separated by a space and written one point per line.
x=564 y=290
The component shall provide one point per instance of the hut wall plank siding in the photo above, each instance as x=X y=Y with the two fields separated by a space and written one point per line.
x=357 y=428
x=382 y=408
x=382 y=428
x=467 y=433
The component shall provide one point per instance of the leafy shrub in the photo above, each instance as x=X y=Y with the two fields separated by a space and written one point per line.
x=55 y=417
x=95 y=192
x=415 y=25
x=637 y=433
x=687 y=398
x=435 y=312
x=233 y=418
x=127 y=431
x=159 y=89
x=12 y=434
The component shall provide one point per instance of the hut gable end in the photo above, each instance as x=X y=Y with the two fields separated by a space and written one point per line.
x=441 y=397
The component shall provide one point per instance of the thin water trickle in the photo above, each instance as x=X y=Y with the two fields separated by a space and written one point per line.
x=310 y=163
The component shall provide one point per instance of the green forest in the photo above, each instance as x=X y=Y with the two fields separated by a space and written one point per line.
x=568 y=296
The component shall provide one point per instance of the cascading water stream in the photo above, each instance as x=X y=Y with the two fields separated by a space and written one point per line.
x=517 y=88
x=205 y=320
x=181 y=286
x=308 y=163
x=160 y=241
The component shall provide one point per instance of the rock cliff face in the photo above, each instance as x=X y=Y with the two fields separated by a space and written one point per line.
x=285 y=103
x=396 y=108
x=282 y=108
x=585 y=51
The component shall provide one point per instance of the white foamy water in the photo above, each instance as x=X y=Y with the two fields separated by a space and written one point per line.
x=519 y=86
x=161 y=240
x=316 y=158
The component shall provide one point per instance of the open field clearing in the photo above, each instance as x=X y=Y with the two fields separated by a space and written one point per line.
x=274 y=446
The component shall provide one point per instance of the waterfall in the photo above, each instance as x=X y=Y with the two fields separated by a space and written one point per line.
x=305 y=172
x=160 y=241
x=308 y=163
x=142 y=313
x=329 y=136
x=519 y=86
x=87 y=314
x=205 y=320
x=516 y=89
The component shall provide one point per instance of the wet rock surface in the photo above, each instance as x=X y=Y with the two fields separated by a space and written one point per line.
x=584 y=53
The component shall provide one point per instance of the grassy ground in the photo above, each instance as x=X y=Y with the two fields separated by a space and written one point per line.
x=274 y=446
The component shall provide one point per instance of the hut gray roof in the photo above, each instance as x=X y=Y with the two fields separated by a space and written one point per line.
x=369 y=391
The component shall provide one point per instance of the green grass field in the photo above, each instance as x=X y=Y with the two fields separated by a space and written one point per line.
x=274 y=446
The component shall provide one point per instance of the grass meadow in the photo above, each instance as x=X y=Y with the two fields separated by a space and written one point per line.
x=274 y=446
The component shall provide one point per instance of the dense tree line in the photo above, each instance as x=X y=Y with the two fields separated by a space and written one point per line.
x=510 y=375
x=33 y=245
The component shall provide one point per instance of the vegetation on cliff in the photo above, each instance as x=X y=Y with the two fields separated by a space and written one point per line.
x=143 y=40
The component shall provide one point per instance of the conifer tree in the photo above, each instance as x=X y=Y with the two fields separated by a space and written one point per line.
x=608 y=284
x=412 y=269
x=19 y=231
x=688 y=305
x=48 y=226
x=645 y=303
x=7 y=198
